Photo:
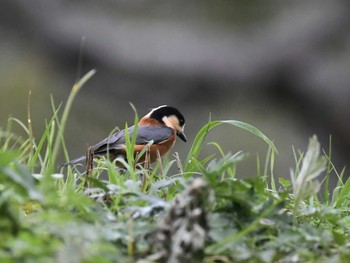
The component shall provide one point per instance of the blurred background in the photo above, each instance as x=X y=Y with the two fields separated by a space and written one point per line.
x=282 y=66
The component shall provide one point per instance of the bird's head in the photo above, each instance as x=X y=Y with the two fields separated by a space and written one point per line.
x=170 y=117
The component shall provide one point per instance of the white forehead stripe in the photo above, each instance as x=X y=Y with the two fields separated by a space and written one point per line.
x=154 y=109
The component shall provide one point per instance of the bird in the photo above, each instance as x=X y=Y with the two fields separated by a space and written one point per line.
x=160 y=126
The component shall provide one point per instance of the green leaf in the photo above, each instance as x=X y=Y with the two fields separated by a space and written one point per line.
x=7 y=157
x=344 y=194
x=284 y=182
x=201 y=135
x=197 y=145
x=21 y=177
x=253 y=130
x=304 y=183
x=339 y=238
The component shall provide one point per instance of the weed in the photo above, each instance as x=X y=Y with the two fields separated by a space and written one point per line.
x=205 y=213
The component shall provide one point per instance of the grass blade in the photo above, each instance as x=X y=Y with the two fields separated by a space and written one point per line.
x=75 y=89
x=201 y=135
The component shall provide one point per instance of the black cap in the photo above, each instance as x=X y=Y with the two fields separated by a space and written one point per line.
x=166 y=111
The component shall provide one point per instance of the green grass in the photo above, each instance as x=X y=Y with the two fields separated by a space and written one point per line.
x=204 y=213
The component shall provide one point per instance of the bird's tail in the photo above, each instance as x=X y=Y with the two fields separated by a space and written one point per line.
x=74 y=161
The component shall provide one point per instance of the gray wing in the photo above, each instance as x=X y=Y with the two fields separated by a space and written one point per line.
x=145 y=134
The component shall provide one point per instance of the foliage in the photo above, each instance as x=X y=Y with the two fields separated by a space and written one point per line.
x=206 y=213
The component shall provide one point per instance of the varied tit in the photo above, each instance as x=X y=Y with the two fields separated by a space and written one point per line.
x=161 y=125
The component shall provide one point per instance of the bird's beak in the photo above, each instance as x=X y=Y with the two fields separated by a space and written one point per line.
x=182 y=136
